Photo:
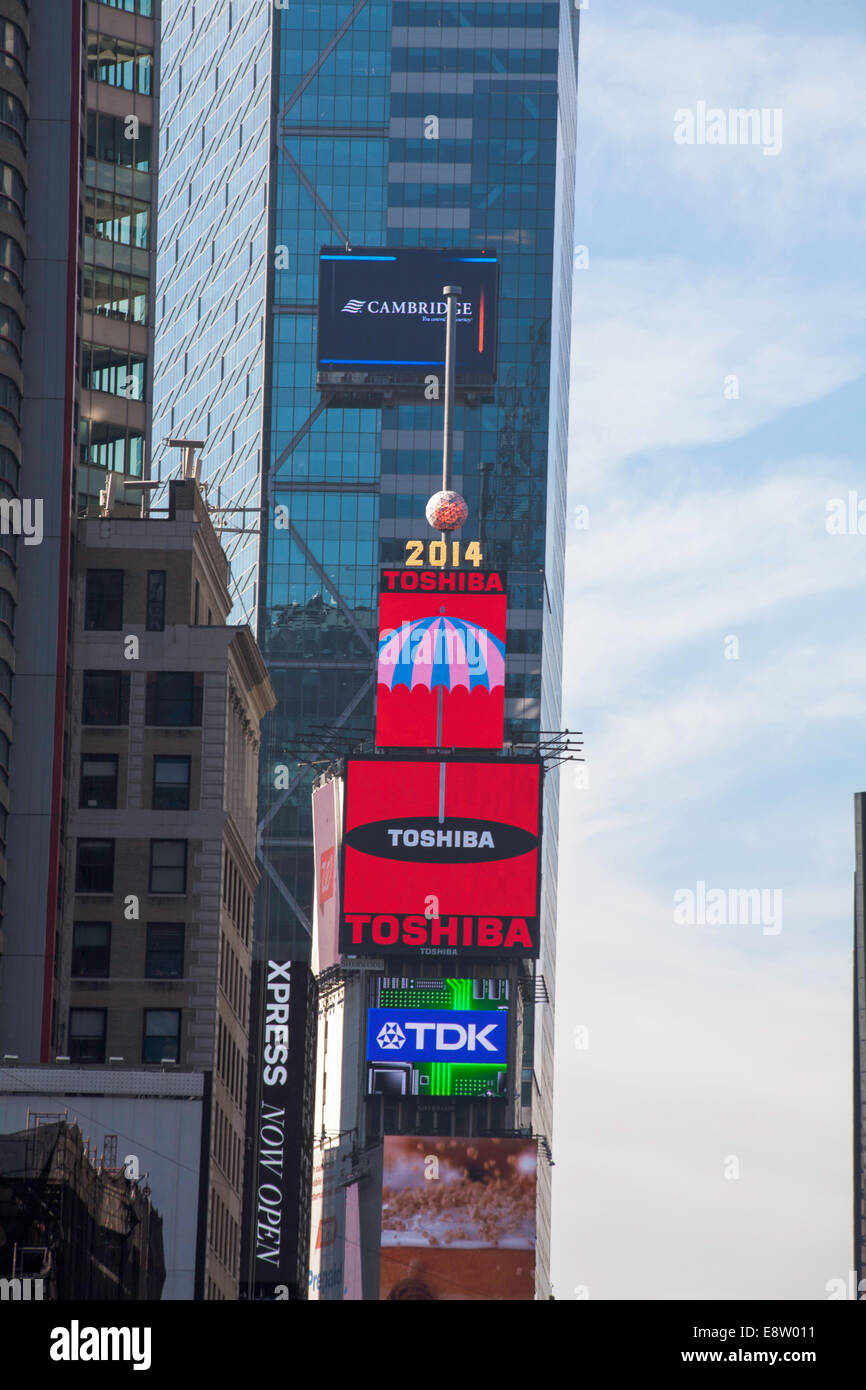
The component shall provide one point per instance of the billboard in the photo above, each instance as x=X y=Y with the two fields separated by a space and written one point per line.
x=271 y=1234
x=441 y=858
x=438 y=1038
x=441 y=659
x=327 y=820
x=458 y=1219
x=382 y=314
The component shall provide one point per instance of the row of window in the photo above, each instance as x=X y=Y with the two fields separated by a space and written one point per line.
x=237 y=900
x=103 y=600
x=13 y=120
x=233 y=980
x=94 y=866
x=112 y=217
x=109 y=293
x=228 y=1149
x=160 y=1035
x=12 y=190
x=118 y=140
x=163 y=954
x=231 y=1064
x=13 y=48
x=173 y=699
x=11 y=260
x=142 y=7
x=224 y=1234
x=119 y=63
x=10 y=403
x=109 y=370
x=170 y=791
x=11 y=331
x=112 y=447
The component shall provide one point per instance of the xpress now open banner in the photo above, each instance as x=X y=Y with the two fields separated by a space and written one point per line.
x=441 y=858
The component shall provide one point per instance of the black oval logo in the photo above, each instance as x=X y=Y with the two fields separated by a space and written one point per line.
x=426 y=839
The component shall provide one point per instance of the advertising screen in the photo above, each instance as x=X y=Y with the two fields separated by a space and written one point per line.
x=382 y=313
x=326 y=905
x=458 y=1219
x=441 y=660
x=441 y=858
x=438 y=1038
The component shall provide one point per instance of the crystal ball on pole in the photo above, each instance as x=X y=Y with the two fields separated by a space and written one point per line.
x=446 y=511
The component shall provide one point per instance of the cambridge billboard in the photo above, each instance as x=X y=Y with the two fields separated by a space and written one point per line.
x=382 y=313
x=458 y=1219
x=441 y=659
x=441 y=858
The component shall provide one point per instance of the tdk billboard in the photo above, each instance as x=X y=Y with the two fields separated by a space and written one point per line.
x=382 y=316
x=436 y=1035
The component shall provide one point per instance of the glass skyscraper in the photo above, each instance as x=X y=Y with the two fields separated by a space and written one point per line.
x=287 y=128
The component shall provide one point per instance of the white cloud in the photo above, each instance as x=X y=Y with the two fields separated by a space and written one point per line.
x=638 y=70
x=656 y=341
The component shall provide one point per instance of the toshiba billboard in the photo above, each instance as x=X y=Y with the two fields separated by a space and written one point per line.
x=441 y=858
x=441 y=659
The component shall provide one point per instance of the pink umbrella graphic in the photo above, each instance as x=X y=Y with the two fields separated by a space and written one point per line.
x=442 y=651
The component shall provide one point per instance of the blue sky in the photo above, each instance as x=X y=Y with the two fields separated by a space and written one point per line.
x=712 y=1049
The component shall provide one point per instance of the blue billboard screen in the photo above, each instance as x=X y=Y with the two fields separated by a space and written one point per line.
x=436 y=1035
x=382 y=312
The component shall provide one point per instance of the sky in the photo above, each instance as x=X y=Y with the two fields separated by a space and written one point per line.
x=714 y=657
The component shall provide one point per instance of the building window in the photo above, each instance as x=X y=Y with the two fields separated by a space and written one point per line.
x=95 y=867
x=173 y=698
x=13 y=47
x=113 y=372
x=13 y=120
x=155 y=601
x=5 y=686
x=99 y=781
x=161 y=1035
x=11 y=255
x=119 y=63
x=10 y=404
x=5 y=753
x=87 y=1035
x=112 y=447
x=142 y=7
x=168 y=866
x=103 y=602
x=111 y=294
x=171 y=784
x=106 y=698
x=113 y=215
x=164 y=959
x=108 y=139
x=91 y=948
x=7 y=614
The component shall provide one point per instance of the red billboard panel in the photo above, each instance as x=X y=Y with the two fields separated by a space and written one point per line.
x=441 y=661
x=441 y=858
x=458 y=1219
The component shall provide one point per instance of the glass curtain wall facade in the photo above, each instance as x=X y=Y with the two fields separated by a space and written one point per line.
x=211 y=284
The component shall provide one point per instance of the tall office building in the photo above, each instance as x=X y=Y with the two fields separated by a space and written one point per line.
x=77 y=147
x=379 y=123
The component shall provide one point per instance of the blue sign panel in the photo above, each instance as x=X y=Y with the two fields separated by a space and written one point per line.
x=436 y=1035
x=382 y=309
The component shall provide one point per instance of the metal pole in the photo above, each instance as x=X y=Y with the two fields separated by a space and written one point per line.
x=451 y=293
